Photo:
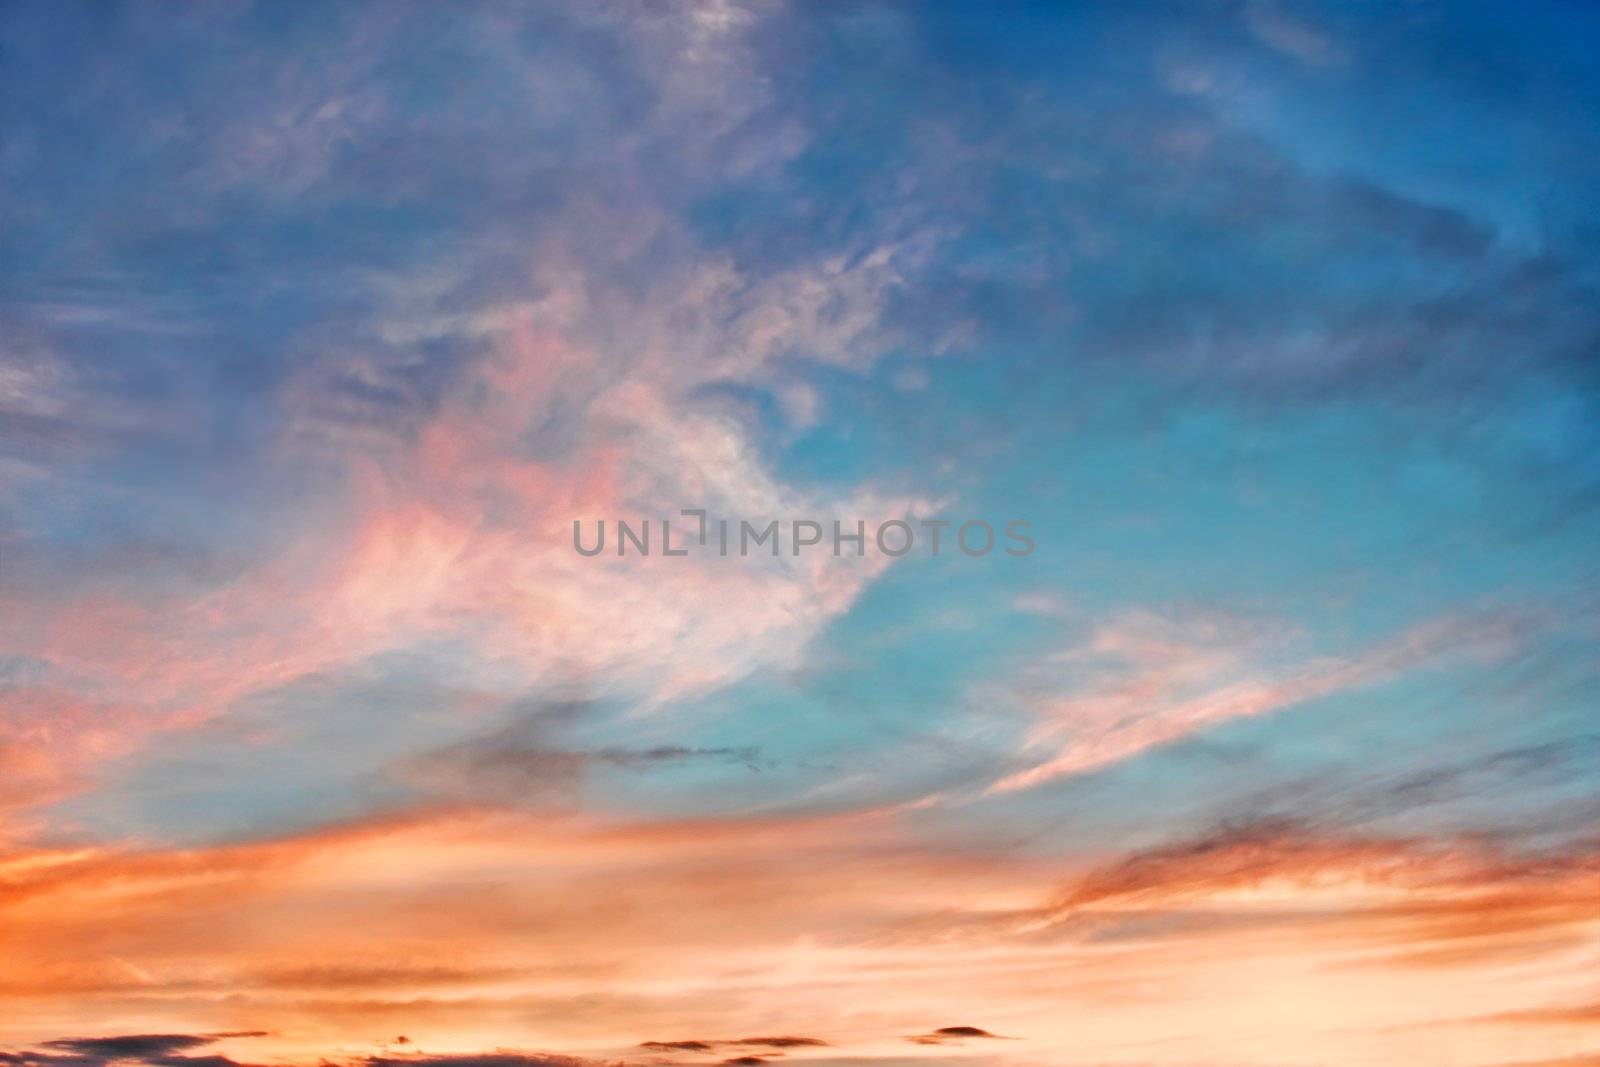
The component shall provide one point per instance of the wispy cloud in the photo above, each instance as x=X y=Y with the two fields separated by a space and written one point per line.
x=1151 y=681
x=320 y=327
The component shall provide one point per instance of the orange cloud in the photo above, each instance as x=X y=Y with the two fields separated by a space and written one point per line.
x=470 y=929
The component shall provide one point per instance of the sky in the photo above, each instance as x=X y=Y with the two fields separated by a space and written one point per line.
x=1278 y=325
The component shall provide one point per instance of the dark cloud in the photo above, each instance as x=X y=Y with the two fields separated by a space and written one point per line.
x=947 y=1034
x=41 y=1059
x=164 y=1050
x=710 y=1044
x=663 y=754
x=149 y=1050
x=526 y=761
x=1483 y=785
x=1467 y=899
x=480 y=1059
x=133 y=1046
x=1242 y=853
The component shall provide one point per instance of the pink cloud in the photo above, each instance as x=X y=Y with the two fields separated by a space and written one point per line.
x=1147 y=680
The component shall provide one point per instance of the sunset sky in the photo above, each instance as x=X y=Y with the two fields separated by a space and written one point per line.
x=321 y=323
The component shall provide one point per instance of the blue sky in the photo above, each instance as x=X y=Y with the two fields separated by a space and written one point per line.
x=320 y=325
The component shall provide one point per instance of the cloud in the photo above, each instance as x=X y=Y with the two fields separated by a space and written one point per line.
x=459 y=921
x=438 y=424
x=525 y=762
x=1147 y=680
x=951 y=1034
x=163 y=1050
x=149 y=1050
x=320 y=331
x=1554 y=1015
x=137 y=1046
x=1292 y=35
x=1475 y=790
x=1423 y=903
x=708 y=1045
x=375 y=977
x=479 y=1059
